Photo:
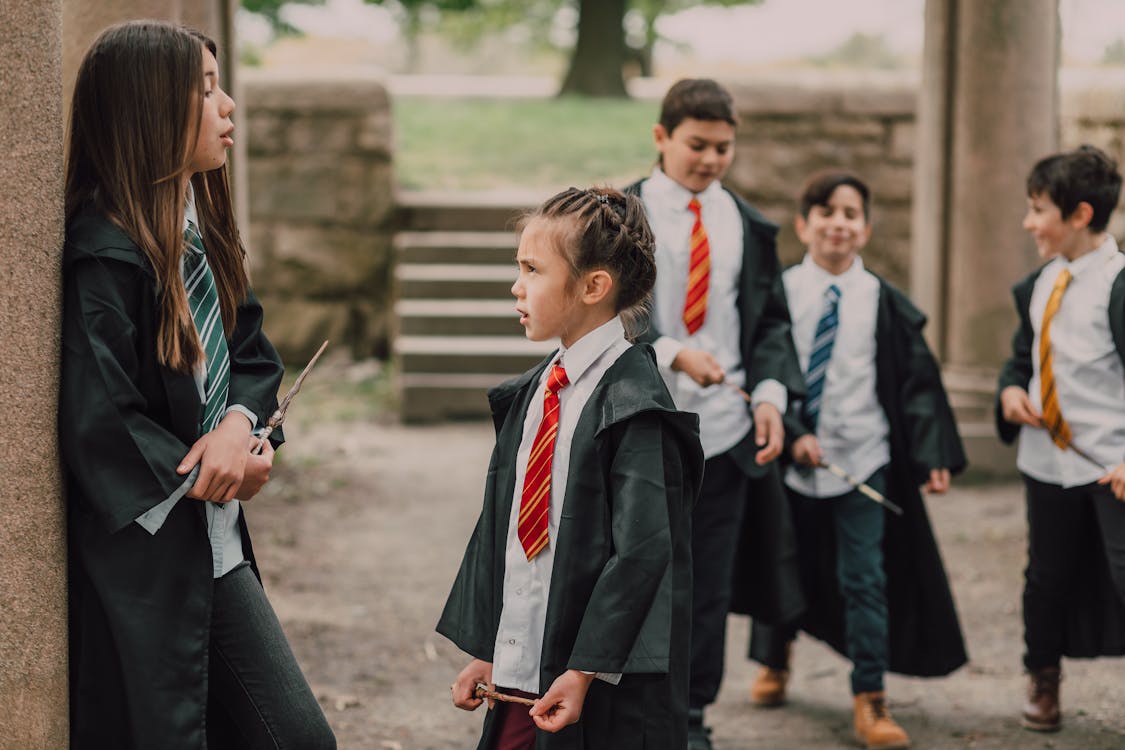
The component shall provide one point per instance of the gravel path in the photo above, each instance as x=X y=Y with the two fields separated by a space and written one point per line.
x=360 y=533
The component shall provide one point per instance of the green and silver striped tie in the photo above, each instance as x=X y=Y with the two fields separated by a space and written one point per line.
x=203 y=299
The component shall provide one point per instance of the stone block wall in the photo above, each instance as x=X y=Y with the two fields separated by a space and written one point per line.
x=792 y=126
x=321 y=202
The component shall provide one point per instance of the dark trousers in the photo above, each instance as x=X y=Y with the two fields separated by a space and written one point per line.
x=858 y=523
x=715 y=524
x=1058 y=523
x=257 y=696
x=514 y=727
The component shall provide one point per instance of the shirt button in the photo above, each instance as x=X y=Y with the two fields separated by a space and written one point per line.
x=519 y=592
x=511 y=641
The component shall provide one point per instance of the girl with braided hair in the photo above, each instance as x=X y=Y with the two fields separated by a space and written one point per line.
x=575 y=588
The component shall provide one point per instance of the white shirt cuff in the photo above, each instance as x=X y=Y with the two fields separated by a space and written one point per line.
x=666 y=349
x=153 y=518
x=613 y=678
x=244 y=412
x=770 y=392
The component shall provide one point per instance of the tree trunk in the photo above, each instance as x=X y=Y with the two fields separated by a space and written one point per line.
x=599 y=53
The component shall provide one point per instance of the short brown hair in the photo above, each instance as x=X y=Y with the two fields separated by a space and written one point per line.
x=699 y=99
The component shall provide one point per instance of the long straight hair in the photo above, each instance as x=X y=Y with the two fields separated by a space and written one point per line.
x=134 y=122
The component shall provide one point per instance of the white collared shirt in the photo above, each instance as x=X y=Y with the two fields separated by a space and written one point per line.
x=527 y=584
x=724 y=419
x=851 y=428
x=1089 y=377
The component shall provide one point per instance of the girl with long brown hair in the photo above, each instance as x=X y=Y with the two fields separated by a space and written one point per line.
x=165 y=373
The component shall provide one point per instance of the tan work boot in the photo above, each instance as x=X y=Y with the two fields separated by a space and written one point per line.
x=874 y=727
x=1041 y=712
x=768 y=689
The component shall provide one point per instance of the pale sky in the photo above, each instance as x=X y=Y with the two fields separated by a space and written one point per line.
x=752 y=34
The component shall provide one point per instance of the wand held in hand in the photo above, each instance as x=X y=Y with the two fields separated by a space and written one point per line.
x=484 y=693
x=279 y=415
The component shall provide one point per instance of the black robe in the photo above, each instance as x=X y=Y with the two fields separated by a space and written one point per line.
x=620 y=593
x=140 y=604
x=766 y=574
x=1095 y=624
x=923 y=630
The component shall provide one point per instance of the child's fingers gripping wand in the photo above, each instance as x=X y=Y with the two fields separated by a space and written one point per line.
x=279 y=415
x=862 y=487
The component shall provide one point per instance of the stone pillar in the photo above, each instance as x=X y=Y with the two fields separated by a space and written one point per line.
x=33 y=637
x=988 y=111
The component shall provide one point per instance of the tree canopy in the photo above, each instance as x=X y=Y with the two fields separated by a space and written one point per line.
x=602 y=45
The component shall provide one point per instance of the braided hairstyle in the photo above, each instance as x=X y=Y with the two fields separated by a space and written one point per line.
x=604 y=229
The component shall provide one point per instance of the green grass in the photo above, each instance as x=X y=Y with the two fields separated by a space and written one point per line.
x=491 y=144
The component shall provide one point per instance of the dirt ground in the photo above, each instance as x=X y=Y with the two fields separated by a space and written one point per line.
x=361 y=530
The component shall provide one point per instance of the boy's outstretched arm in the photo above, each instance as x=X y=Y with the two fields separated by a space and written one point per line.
x=561 y=705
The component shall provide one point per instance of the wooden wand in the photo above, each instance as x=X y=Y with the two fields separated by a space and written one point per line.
x=483 y=693
x=862 y=487
x=279 y=415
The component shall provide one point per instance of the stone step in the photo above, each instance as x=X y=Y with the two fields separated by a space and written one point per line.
x=510 y=355
x=496 y=211
x=456 y=247
x=457 y=317
x=455 y=281
x=429 y=397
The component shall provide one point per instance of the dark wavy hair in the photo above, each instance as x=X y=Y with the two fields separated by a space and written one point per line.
x=1084 y=175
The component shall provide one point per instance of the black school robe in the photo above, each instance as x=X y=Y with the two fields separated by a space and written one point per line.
x=924 y=633
x=140 y=604
x=1095 y=623
x=767 y=579
x=620 y=592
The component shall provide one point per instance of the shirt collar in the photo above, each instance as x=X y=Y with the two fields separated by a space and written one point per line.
x=190 y=213
x=674 y=193
x=1095 y=258
x=845 y=279
x=587 y=350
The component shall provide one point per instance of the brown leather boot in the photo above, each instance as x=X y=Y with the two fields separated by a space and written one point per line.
x=874 y=727
x=1041 y=711
x=768 y=689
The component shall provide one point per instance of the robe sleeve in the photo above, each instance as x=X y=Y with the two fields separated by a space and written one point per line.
x=627 y=620
x=773 y=356
x=122 y=460
x=255 y=367
x=1018 y=369
x=931 y=428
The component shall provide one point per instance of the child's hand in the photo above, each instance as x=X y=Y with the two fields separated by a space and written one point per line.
x=769 y=433
x=700 y=366
x=561 y=705
x=1015 y=406
x=464 y=687
x=1116 y=480
x=806 y=450
x=939 y=481
x=222 y=456
x=257 y=470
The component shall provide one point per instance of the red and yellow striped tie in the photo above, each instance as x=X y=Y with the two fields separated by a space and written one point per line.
x=1052 y=417
x=699 y=272
x=535 y=502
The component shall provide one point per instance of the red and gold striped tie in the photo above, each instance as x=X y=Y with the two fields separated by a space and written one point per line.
x=535 y=502
x=1052 y=417
x=699 y=272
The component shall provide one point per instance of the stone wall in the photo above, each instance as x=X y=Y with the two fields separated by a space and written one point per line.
x=790 y=127
x=321 y=190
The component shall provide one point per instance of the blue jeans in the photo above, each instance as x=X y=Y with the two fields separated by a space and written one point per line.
x=257 y=696
x=862 y=582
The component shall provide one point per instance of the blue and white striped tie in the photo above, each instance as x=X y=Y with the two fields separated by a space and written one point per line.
x=823 y=341
x=203 y=299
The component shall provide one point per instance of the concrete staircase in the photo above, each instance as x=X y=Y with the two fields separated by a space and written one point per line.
x=457 y=332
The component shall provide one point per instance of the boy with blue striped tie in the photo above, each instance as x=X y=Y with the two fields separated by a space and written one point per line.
x=875 y=406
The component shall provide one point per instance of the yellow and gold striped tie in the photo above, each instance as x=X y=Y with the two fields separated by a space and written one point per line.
x=1052 y=417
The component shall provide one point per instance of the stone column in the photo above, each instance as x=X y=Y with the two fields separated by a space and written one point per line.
x=33 y=639
x=988 y=111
